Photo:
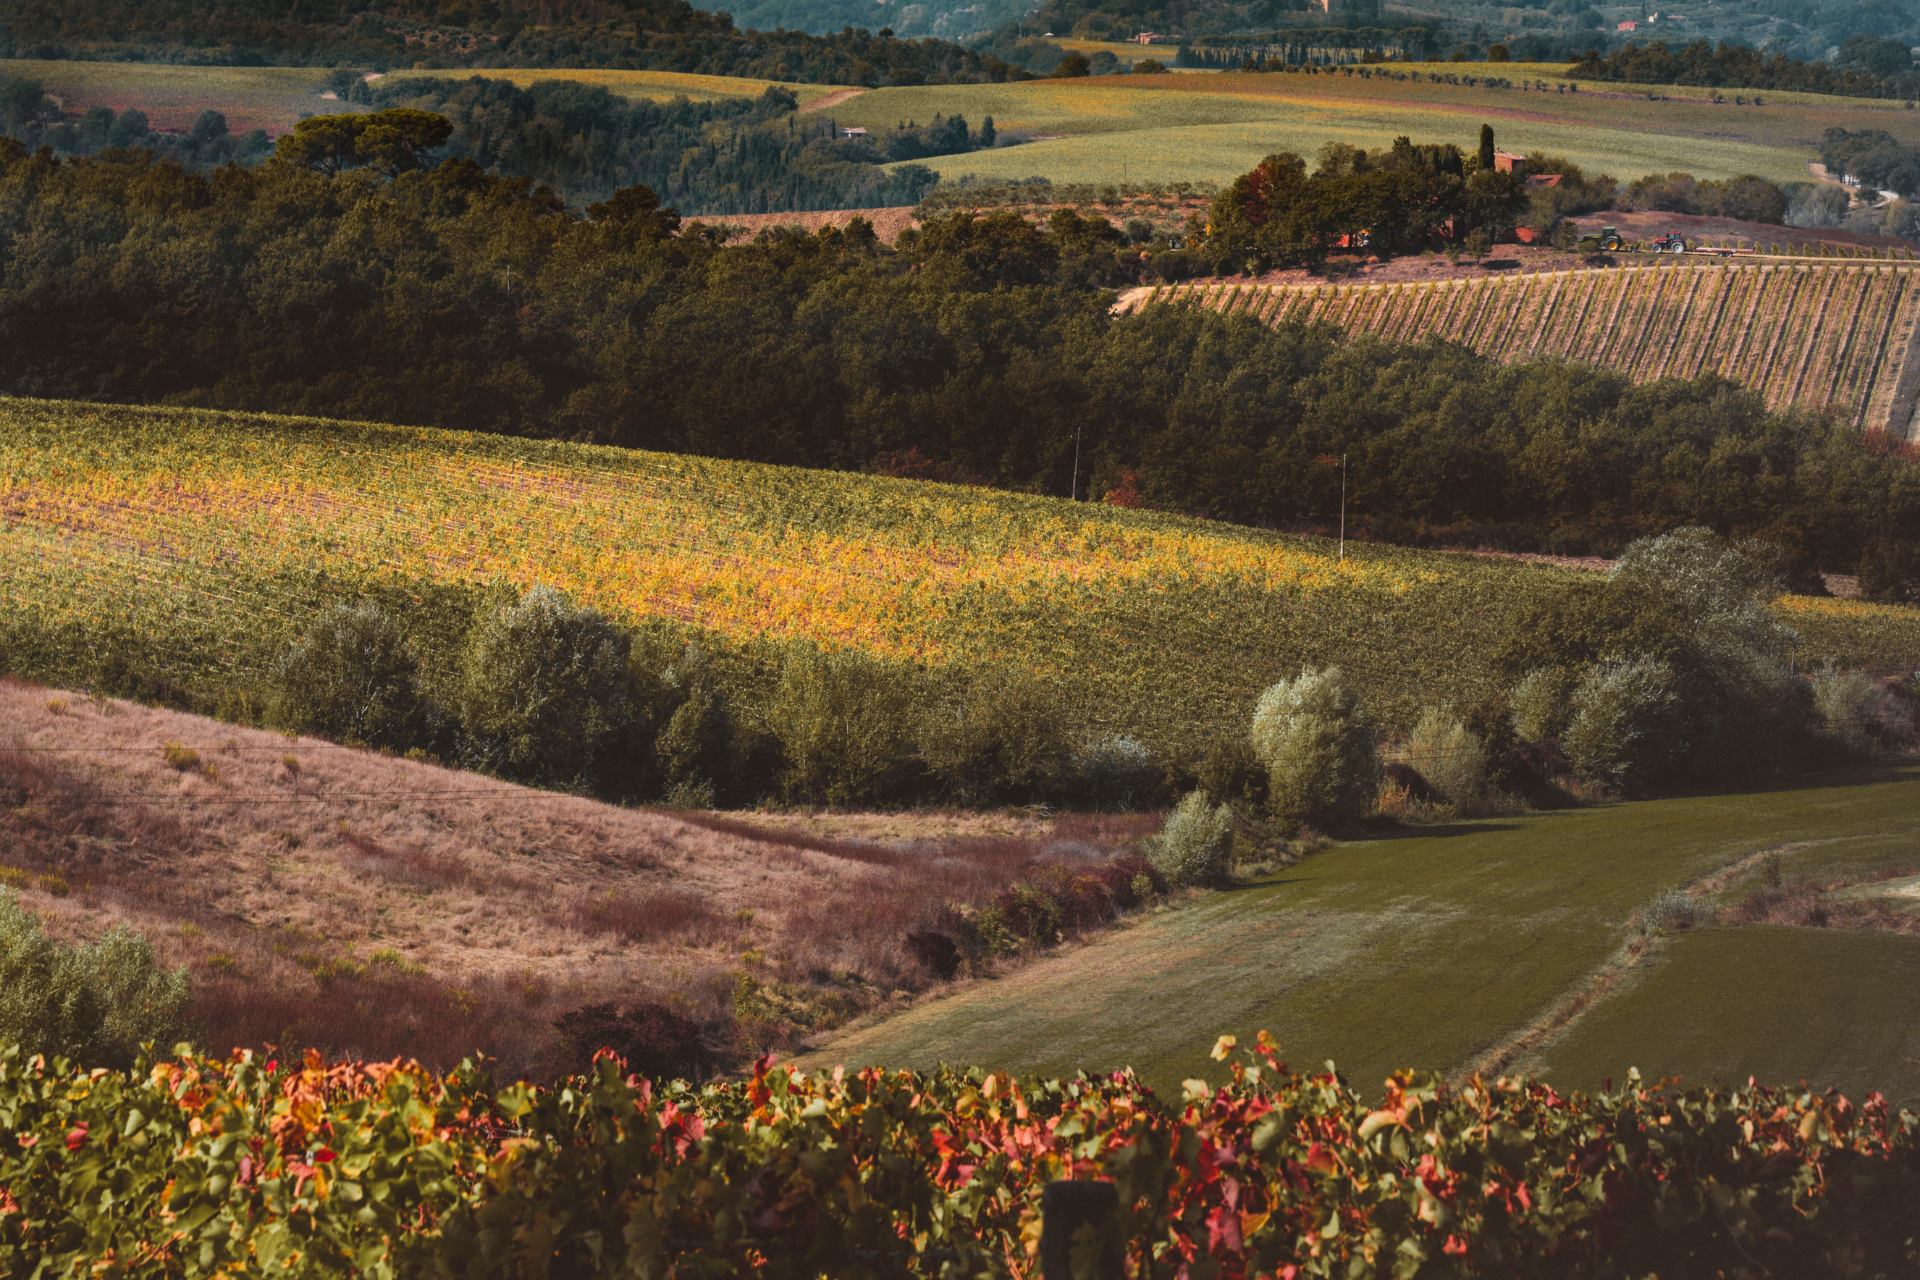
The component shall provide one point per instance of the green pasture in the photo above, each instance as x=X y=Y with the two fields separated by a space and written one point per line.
x=1825 y=1006
x=1436 y=946
x=1183 y=128
x=275 y=98
x=270 y=98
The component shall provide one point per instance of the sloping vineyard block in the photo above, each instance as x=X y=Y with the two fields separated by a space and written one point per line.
x=1838 y=335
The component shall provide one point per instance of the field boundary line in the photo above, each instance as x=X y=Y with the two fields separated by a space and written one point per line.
x=1606 y=978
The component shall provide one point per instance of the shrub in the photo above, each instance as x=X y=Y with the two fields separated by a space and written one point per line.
x=1543 y=703
x=655 y=1041
x=1196 y=845
x=94 y=1003
x=1630 y=726
x=544 y=692
x=1449 y=756
x=1845 y=702
x=936 y=953
x=845 y=724
x=1719 y=588
x=1233 y=773
x=1318 y=748
x=1670 y=909
x=351 y=678
x=1113 y=771
x=692 y=751
x=1030 y=912
x=1004 y=739
x=185 y=759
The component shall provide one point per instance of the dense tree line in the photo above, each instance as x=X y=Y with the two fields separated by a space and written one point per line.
x=666 y=35
x=1875 y=157
x=580 y=141
x=741 y=156
x=978 y=348
x=1868 y=68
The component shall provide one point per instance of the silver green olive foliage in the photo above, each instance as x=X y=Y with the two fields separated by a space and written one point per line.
x=544 y=692
x=94 y=1003
x=1846 y=704
x=1631 y=726
x=1542 y=703
x=1113 y=771
x=1318 y=747
x=1720 y=586
x=1448 y=755
x=351 y=678
x=1196 y=844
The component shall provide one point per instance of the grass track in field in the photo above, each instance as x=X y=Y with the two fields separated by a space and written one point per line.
x=1427 y=949
x=1827 y=1006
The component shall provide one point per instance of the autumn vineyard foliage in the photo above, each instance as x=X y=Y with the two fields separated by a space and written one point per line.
x=199 y=546
x=1812 y=334
x=197 y=1167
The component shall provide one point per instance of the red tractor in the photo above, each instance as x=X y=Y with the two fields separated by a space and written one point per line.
x=1672 y=242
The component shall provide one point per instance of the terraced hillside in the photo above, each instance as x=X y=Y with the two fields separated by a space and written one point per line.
x=1807 y=333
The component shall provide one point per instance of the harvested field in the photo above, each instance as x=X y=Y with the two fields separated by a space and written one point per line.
x=1824 y=335
x=887 y=223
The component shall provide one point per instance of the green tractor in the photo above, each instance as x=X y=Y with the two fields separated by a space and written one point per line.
x=1605 y=240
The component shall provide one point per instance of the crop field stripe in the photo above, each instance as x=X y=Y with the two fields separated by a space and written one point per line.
x=1498 y=324
x=1666 y=317
x=1867 y=339
x=1608 y=338
x=1526 y=319
x=1677 y=325
x=1649 y=305
x=1869 y=298
x=1764 y=292
x=1810 y=319
x=1785 y=369
x=1703 y=340
x=1411 y=298
x=1779 y=305
x=1823 y=354
x=1891 y=359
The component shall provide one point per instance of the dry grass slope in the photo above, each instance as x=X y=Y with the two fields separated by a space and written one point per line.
x=1817 y=335
x=380 y=906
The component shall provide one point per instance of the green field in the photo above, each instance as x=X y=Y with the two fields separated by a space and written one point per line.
x=1155 y=625
x=1186 y=128
x=1436 y=947
x=275 y=98
x=1148 y=128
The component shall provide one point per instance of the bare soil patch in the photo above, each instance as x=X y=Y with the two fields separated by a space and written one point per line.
x=887 y=223
x=833 y=99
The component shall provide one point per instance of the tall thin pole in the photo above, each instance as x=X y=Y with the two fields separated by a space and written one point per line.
x=1073 y=493
x=1343 y=507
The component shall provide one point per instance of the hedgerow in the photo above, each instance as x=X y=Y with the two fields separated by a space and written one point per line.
x=195 y=1166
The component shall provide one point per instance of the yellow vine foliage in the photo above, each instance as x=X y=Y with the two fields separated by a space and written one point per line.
x=896 y=569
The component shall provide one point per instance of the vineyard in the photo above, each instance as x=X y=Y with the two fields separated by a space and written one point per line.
x=204 y=1167
x=211 y=539
x=1818 y=335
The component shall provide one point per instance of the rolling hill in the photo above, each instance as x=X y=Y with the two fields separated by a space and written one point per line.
x=206 y=541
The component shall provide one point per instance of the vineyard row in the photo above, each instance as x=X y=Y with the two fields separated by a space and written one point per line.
x=1810 y=334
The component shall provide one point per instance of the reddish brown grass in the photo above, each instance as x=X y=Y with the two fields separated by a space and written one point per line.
x=327 y=896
